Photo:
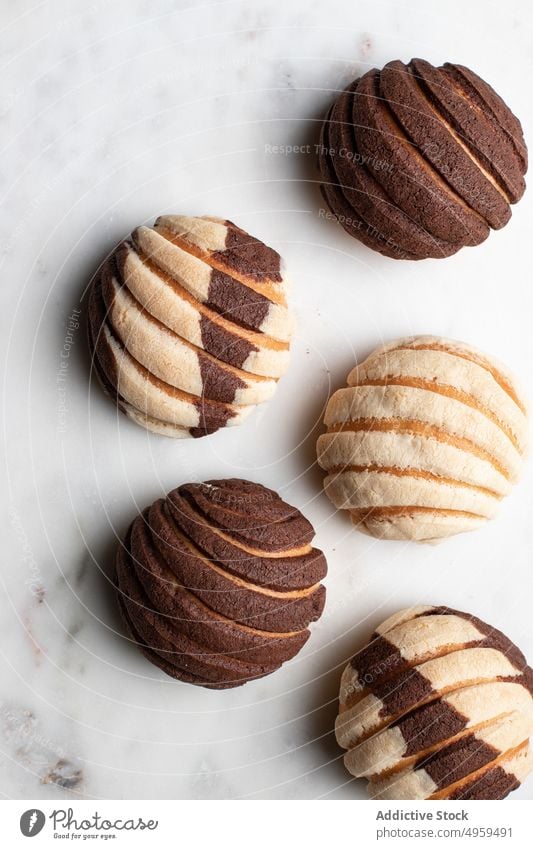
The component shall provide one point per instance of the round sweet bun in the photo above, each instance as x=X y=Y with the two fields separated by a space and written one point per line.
x=218 y=582
x=424 y=442
x=418 y=161
x=188 y=325
x=438 y=705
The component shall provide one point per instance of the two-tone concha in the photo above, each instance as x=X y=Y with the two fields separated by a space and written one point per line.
x=418 y=161
x=438 y=705
x=425 y=441
x=189 y=326
x=218 y=582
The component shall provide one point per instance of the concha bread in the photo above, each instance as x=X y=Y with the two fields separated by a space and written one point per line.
x=426 y=439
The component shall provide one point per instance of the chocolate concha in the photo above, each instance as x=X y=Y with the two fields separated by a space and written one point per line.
x=219 y=582
x=418 y=161
x=438 y=705
x=425 y=441
x=188 y=325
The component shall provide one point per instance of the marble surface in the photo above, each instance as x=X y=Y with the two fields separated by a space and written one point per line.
x=111 y=113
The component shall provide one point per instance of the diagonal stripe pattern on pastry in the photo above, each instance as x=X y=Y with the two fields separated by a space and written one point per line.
x=218 y=582
x=438 y=705
x=425 y=441
x=188 y=325
x=418 y=161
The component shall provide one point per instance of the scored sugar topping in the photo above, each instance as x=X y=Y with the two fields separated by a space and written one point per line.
x=189 y=325
x=218 y=582
x=438 y=705
x=425 y=441
x=418 y=161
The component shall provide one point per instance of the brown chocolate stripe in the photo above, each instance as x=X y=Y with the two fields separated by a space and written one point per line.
x=434 y=140
x=249 y=256
x=164 y=665
x=189 y=616
x=220 y=382
x=413 y=185
x=226 y=596
x=381 y=667
x=226 y=295
x=234 y=300
x=176 y=648
x=457 y=760
x=250 y=513
x=494 y=783
x=195 y=620
x=346 y=214
x=478 y=92
x=213 y=414
x=269 y=288
x=96 y=319
x=218 y=338
x=456 y=155
x=428 y=725
x=277 y=573
x=365 y=193
x=401 y=687
x=404 y=692
x=485 y=139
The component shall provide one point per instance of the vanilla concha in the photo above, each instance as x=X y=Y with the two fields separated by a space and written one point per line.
x=425 y=441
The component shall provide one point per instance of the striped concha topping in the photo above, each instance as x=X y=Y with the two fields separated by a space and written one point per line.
x=218 y=582
x=418 y=161
x=437 y=706
x=425 y=441
x=189 y=326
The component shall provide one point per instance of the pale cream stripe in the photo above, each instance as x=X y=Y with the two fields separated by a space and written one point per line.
x=365 y=490
x=458 y=669
x=425 y=636
x=405 y=615
x=190 y=271
x=194 y=274
x=428 y=527
x=379 y=403
x=479 y=705
x=411 y=785
x=504 y=735
x=179 y=313
x=159 y=299
x=163 y=354
x=208 y=233
x=417 y=638
x=144 y=395
x=155 y=425
x=499 y=370
x=141 y=390
x=408 y=451
x=446 y=373
x=519 y=764
x=189 y=237
x=171 y=358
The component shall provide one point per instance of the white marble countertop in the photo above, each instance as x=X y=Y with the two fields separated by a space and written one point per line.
x=111 y=113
